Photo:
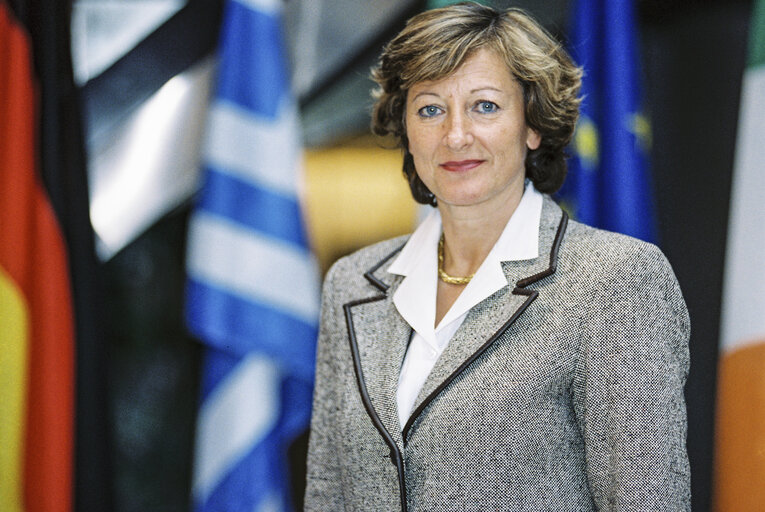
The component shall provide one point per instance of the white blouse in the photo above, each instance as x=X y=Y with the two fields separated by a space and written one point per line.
x=415 y=298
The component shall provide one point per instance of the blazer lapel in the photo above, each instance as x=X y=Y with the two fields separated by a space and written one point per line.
x=493 y=314
x=381 y=336
x=481 y=323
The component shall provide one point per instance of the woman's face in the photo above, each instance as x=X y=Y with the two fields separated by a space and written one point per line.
x=468 y=135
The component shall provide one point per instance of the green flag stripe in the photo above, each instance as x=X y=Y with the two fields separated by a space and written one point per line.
x=757 y=35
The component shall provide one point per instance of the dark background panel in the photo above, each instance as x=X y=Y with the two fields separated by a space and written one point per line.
x=154 y=369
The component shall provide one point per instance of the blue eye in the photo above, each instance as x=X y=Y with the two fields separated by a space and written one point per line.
x=429 y=111
x=486 y=107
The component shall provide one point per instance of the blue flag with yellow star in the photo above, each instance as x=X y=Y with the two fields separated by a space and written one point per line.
x=608 y=184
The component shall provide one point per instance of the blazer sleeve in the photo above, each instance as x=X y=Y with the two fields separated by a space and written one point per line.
x=323 y=479
x=628 y=388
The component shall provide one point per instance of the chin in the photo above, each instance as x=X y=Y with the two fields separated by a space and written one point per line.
x=462 y=200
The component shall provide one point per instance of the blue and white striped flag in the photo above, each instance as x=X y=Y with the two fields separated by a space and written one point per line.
x=608 y=183
x=252 y=294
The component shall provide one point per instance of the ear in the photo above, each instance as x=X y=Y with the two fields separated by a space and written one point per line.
x=533 y=139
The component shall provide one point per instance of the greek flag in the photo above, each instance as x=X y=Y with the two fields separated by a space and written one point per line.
x=252 y=292
x=608 y=183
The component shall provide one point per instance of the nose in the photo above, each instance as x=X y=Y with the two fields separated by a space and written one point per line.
x=458 y=131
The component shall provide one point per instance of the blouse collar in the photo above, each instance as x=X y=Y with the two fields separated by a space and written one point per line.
x=415 y=298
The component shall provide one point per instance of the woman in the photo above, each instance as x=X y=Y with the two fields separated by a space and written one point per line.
x=502 y=357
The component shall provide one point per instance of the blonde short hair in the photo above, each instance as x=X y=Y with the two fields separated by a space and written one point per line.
x=436 y=42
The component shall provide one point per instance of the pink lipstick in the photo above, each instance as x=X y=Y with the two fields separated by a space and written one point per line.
x=462 y=165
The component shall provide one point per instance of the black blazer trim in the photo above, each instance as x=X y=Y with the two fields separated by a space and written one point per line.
x=553 y=255
x=395 y=453
x=370 y=274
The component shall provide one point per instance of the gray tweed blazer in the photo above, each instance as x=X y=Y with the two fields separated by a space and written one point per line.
x=561 y=392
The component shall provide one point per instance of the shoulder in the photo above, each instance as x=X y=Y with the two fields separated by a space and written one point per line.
x=593 y=252
x=619 y=268
x=611 y=254
x=618 y=271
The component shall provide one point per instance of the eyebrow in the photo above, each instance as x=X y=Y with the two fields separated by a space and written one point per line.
x=425 y=93
x=487 y=88
x=472 y=91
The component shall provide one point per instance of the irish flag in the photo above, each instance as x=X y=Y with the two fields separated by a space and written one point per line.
x=740 y=427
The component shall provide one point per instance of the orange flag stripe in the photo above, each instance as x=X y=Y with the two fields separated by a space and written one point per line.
x=33 y=254
x=740 y=430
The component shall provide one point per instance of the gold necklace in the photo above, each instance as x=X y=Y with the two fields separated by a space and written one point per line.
x=443 y=276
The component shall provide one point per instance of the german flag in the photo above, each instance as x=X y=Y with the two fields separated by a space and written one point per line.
x=36 y=315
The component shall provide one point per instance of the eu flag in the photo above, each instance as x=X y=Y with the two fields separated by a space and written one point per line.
x=608 y=184
x=252 y=296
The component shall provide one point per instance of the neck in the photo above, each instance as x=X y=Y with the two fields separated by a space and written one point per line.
x=470 y=234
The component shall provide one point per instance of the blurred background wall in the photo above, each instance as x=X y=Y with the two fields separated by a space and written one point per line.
x=143 y=71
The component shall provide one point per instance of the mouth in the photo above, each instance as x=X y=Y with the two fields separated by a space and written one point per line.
x=462 y=165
